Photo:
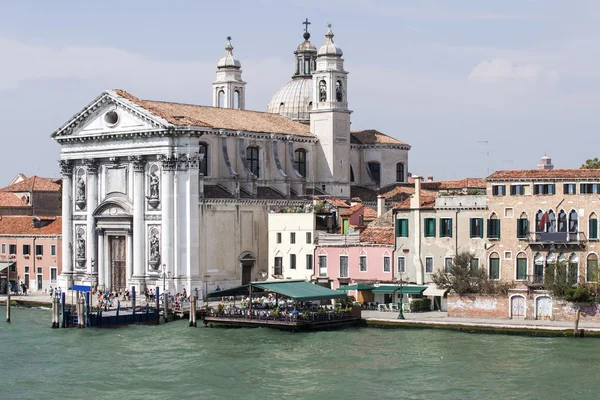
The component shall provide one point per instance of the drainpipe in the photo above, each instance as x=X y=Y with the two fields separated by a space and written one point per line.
x=416 y=207
x=34 y=268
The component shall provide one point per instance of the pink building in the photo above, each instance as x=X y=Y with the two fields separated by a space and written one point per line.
x=355 y=258
x=30 y=251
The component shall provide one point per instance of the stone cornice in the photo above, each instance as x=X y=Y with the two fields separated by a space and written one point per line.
x=380 y=146
x=256 y=201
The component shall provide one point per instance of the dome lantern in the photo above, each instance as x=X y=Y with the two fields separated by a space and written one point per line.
x=228 y=61
x=330 y=48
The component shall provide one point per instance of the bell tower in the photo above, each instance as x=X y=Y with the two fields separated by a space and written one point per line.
x=229 y=90
x=330 y=119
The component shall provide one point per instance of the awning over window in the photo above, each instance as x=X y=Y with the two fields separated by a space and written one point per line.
x=5 y=264
x=409 y=289
x=297 y=290
x=434 y=291
x=357 y=286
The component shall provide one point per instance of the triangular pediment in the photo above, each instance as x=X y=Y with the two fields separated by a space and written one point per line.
x=110 y=114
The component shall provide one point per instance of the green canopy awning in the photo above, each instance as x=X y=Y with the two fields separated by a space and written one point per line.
x=356 y=286
x=410 y=289
x=300 y=290
x=297 y=290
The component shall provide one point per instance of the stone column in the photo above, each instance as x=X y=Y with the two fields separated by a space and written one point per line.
x=66 y=279
x=192 y=220
x=101 y=267
x=168 y=165
x=129 y=257
x=139 y=205
x=91 y=167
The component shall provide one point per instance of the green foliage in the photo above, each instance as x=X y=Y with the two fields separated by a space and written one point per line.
x=420 y=305
x=591 y=163
x=461 y=278
x=555 y=278
x=579 y=294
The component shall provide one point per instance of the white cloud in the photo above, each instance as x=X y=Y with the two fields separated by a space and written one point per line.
x=502 y=70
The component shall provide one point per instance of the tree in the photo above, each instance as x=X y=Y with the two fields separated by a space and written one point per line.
x=555 y=278
x=591 y=163
x=462 y=278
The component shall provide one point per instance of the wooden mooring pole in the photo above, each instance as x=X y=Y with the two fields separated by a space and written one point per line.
x=192 y=311
x=166 y=306
x=8 y=308
x=576 y=330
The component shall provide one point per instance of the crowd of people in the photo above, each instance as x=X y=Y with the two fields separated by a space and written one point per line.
x=18 y=288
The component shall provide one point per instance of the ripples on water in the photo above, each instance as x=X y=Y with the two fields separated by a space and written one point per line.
x=175 y=361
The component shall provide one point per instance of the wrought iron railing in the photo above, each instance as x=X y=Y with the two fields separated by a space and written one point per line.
x=536 y=279
x=557 y=237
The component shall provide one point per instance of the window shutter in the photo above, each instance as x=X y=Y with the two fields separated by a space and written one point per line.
x=450 y=228
x=471 y=227
x=593 y=229
x=489 y=228
x=398 y=229
x=405 y=227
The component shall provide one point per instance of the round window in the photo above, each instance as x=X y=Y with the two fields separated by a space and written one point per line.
x=111 y=118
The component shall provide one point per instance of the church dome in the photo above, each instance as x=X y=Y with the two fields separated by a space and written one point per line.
x=294 y=99
x=330 y=48
x=228 y=61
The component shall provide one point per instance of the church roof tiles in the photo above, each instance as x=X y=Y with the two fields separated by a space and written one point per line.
x=33 y=184
x=579 y=173
x=24 y=226
x=219 y=118
x=372 y=136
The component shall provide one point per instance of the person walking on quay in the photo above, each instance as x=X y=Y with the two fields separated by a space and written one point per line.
x=184 y=294
x=51 y=291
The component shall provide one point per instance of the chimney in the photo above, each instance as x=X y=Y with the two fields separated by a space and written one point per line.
x=380 y=205
x=545 y=164
x=430 y=178
x=415 y=202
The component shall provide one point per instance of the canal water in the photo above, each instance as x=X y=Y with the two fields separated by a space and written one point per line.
x=174 y=361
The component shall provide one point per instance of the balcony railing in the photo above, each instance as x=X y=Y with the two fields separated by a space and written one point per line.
x=535 y=279
x=557 y=237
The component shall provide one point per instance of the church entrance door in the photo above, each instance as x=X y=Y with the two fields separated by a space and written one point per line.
x=247 y=272
x=117 y=262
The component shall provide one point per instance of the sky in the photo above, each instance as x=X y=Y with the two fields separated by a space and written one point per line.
x=473 y=86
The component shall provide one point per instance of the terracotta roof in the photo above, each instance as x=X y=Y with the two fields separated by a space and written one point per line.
x=369 y=214
x=385 y=220
x=337 y=202
x=219 y=118
x=371 y=136
x=352 y=210
x=33 y=184
x=11 y=200
x=580 y=173
x=427 y=201
x=24 y=226
x=363 y=193
x=378 y=235
x=467 y=183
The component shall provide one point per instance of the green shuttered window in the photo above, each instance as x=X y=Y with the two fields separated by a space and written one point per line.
x=429 y=227
x=402 y=227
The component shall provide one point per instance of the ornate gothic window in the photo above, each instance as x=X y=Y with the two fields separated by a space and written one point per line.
x=562 y=221
x=399 y=172
x=300 y=161
x=203 y=164
x=573 y=222
x=252 y=159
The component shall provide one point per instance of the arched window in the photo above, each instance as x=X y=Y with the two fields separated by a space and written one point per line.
x=493 y=227
x=281 y=107
x=522 y=226
x=307 y=66
x=252 y=159
x=399 y=172
x=322 y=91
x=221 y=98
x=300 y=161
x=593 y=227
x=521 y=266
x=540 y=221
x=573 y=273
x=236 y=99
x=203 y=162
x=309 y=105
x=562 y=221
x=351 y=174
x=538 y=268
x=375 y=170
x=592 y=268
x=494 y=266
x=339 y=91
x=573 y=222
x=299 y=67
x=551 y=226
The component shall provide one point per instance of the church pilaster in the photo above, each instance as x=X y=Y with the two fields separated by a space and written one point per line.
x=129 y=256
x=66 y=279
x=139 y=244
x=169 y=164
x=91 y=167
x=192 y=219
x=101 y=264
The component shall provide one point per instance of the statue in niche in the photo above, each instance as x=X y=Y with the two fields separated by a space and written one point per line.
x=80 y=246
x=81 y=189
x=154 y=249
x=339 y=91
x=153 y=185
x=322 y=91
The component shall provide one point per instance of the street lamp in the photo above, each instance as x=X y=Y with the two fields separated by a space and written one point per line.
x=165 y=274
x=401 y=311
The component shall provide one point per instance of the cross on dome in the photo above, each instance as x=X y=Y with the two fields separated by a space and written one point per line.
x=307 y=23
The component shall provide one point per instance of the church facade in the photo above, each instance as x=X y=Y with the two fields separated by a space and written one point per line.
x=178 y=195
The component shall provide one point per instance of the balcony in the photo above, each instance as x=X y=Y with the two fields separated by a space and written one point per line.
x=535 y=281
x=548 y=239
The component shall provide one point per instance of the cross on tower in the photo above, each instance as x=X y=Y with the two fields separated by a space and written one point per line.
x=229 y=38
x=307 y=24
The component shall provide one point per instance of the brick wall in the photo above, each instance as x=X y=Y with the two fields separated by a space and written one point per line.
x=498 y=307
